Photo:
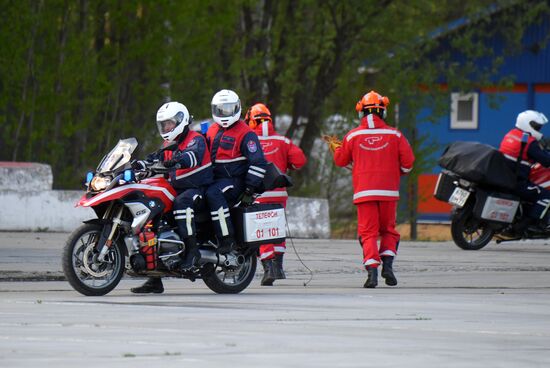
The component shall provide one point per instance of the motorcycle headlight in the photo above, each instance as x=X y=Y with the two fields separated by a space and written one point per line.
x=99 y=183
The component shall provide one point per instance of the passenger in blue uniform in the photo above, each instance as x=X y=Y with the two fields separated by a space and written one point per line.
x=190 y=174
x=238 y=161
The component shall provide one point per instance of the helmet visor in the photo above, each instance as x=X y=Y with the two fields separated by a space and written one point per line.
x=166 y=126
x=226 y=110
x=535 y=125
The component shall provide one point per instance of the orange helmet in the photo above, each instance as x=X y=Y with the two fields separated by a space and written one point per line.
x=257 y=114
x=371 y=103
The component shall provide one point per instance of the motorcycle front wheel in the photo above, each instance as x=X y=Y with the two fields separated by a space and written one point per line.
x=223 y=280
x=468 y=232
x=84 y=271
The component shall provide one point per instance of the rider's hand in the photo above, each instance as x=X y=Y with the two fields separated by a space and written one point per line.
x=169 y=163
x=139 y=165
x=248 y=197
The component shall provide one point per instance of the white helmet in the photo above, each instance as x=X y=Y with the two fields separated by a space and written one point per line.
x=531 y=122
x=172 y=118
x=226 y=108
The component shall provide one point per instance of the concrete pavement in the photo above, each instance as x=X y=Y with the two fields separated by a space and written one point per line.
x=452 y=308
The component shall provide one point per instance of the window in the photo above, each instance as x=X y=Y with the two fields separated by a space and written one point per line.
x=464 y=111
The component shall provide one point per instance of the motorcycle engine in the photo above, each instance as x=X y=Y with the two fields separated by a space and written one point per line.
x=170 y=248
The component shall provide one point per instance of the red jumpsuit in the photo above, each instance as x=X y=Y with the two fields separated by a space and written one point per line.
x=380 y=155
x=285 y=155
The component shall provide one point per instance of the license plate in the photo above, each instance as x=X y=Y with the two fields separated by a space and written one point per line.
x=459 y=197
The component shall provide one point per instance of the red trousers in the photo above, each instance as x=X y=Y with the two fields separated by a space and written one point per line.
x=377 y=219
x=269 y=251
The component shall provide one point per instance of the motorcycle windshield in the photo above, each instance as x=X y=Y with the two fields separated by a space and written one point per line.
x=118 y=156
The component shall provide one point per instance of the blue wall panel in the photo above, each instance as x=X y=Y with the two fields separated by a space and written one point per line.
x=542 y=104
x=493 y=124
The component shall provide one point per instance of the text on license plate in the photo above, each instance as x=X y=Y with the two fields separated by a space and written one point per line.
x=459 y=197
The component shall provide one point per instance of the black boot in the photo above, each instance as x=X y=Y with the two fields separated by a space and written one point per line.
x=152 y=285
x=278 y=271
x=269 y=275
x=227 y=245
x=387 y=271
x=372 y=280
x=192 y=254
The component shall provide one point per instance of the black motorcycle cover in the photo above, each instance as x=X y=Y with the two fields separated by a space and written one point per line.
x=480 y=163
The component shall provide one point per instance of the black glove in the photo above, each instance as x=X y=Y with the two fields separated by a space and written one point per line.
x=139 y=165
x=248 y=197
x=169 y=163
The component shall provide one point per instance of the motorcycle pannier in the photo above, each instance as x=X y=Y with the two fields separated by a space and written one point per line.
x=445 y=186
x=479 y=163
x=499 y=207
x=259 y=224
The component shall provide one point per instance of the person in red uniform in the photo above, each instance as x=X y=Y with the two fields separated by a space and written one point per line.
x=380 y=154
x=190 y=174
x=285 y=155
x=238 y=162
x=525 y=138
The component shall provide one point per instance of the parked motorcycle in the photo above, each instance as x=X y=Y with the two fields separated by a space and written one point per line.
x=135 y=232
x=486 y=208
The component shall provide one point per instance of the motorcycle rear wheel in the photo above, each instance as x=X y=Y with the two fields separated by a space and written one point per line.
x=469 y=233
x=83 y=270
x=226 y=281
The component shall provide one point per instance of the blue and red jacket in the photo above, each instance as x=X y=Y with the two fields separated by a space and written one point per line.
x=193 y=167
x=533 y=153
x=236 y=153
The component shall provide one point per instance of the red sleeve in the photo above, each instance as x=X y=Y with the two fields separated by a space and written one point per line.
x=296 y=157
x=342 y=155
x=406 y=155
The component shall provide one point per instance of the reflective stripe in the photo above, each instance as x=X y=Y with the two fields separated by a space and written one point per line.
x=189 y=221
x=192 y=158
x=274 y=193
x=256 y=168
x=227 y=188
x=265 y=128
x=279 y=249
x=370 y=121
x=388 y=253
x=195 y=197
x=371 y=261
x=226 y=210
x=405 y=170
x=523 y=162
x=372 y=193
x=255 y=173
x=265 y=255
x=187 y=216
x=194 y=171
x=279 y=138
x=373 y=131
x=131 y=186
x=221 y=219
x=175 y=212
x=230 y=160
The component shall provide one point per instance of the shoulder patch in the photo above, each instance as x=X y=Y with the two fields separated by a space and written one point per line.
x=192 y=142
x=252 y=146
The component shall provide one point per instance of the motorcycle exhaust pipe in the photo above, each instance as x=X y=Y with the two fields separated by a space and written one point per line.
x=208 y=256
x=240 y=259
x=233 y=261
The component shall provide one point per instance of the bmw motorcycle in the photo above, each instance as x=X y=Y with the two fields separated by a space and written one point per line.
x=482 y=213
x=135 y=232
